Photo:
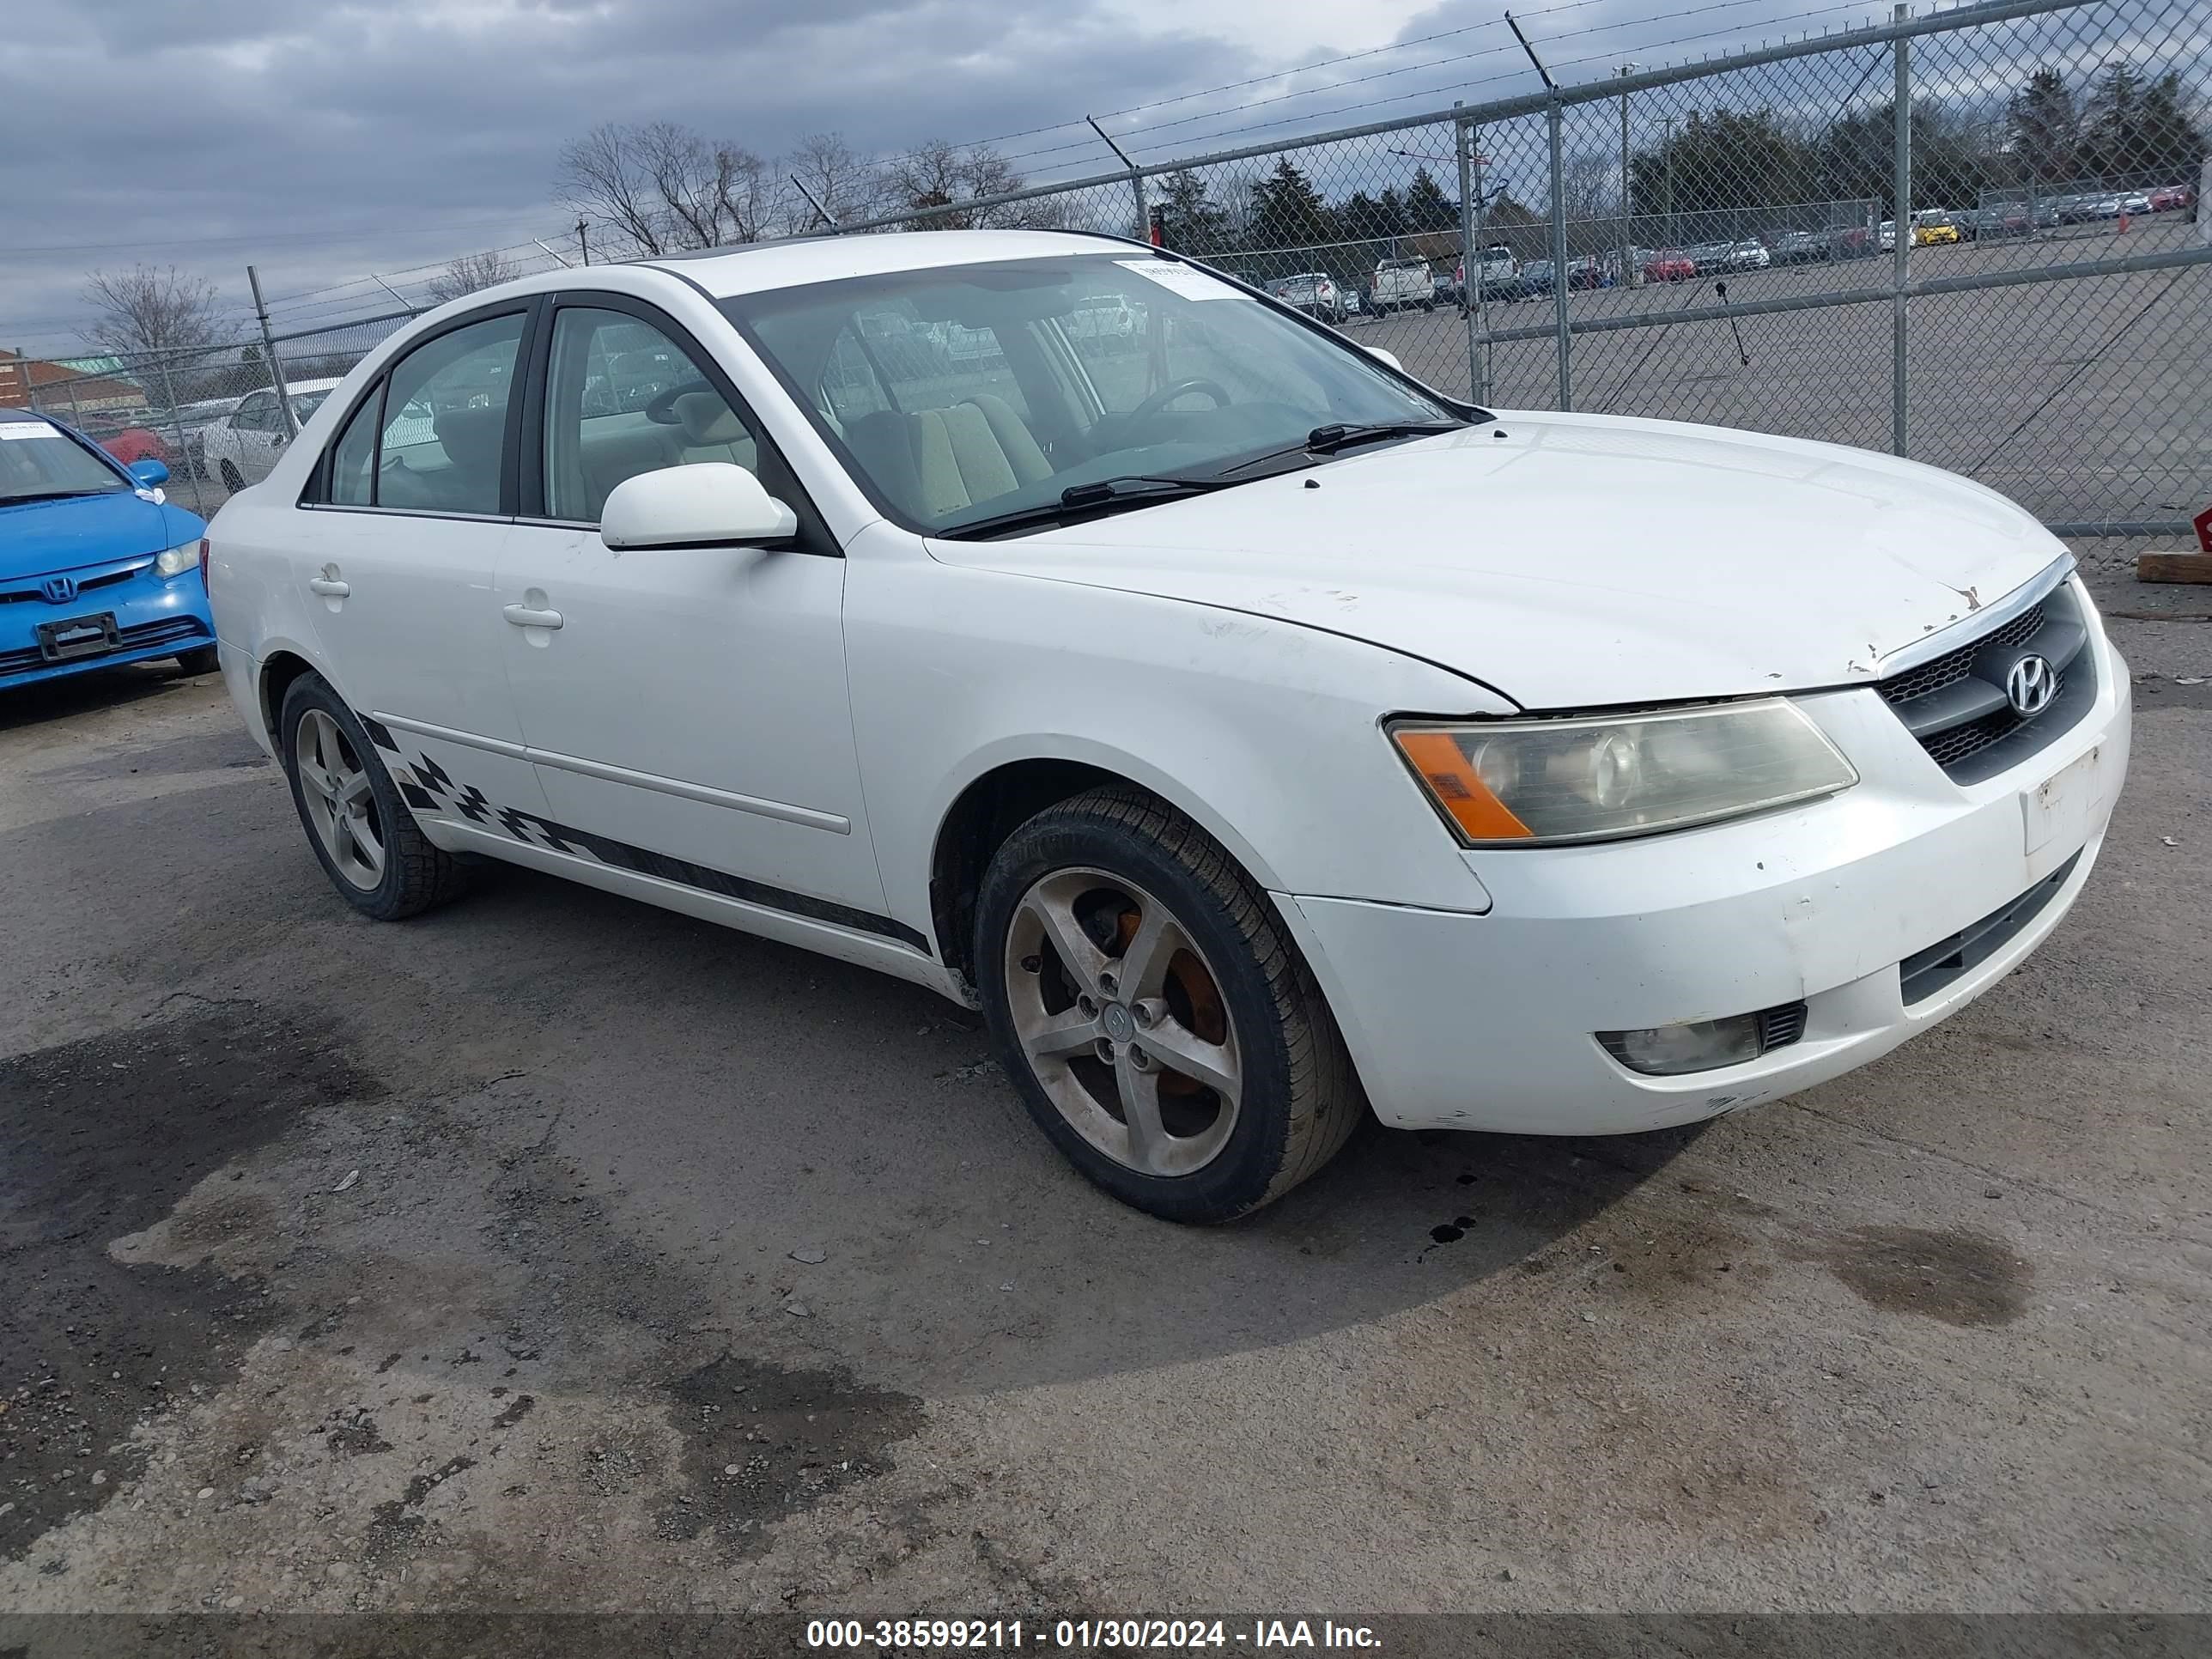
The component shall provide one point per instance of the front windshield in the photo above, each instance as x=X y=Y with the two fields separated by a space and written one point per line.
x=38 y=460
x=966 y=392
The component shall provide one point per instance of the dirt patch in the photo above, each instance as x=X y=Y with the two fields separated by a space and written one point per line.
x=1961 y=1277
x=101 y=1137
x=761 y=1442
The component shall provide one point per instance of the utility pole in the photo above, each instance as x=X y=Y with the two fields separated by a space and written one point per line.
x=1628 y=276
x=583 y=241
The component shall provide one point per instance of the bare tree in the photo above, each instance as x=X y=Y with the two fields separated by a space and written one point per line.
x=152 y=309
x=660 y=186
x=469 y=273
x=829 y=169
x=939 y=174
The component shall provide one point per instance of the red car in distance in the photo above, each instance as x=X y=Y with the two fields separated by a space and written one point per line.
x=1669 y=265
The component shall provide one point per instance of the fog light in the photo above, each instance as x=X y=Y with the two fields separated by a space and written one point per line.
x=1698 y=1046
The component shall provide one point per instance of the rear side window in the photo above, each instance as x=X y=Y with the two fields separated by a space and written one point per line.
x=442 y=439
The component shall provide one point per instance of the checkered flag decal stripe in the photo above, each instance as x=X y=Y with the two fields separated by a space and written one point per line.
x=427 y=787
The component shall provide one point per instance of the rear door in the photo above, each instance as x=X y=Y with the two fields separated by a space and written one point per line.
x=413 y=503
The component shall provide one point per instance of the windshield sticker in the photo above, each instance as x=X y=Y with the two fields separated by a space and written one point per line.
x=1182 y=279
x=29 y=430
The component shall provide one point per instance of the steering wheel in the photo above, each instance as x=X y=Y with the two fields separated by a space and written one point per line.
x=1159 y=400
x=662 y=411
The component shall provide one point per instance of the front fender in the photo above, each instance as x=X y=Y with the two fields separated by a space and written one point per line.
x=1265 y=733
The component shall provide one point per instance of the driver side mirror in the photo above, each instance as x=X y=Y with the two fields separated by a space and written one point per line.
x=710 y=504
x=149 y=472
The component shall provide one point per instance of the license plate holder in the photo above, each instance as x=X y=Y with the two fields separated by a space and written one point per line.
x=77 y=637
x=2055 y=815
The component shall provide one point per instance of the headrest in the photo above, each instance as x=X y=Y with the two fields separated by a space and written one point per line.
x=705 y=419
x=471 y=437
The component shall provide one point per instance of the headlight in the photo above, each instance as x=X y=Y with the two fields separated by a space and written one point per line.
x=1527 y=783
x=178 y=559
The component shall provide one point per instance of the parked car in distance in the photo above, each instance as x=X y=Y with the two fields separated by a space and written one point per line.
x=1670 y=264
x=1748 y=254
x=1314 y=293
x=241 y=446
x=2001 y=219
x=97 y=567
x=1399 y=283
x=2135 y=201
x=1535 y=278
x=1798 y=247
x=128 y=437
x=1229 y=848
x=2168 y=199
x=1853 y=242
x=1712 y=258
x=1932 y=228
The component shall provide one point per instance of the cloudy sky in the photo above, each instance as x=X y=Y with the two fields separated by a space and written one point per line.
x=322 y=139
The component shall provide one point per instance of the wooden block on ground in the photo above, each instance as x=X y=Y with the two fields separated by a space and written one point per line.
x=2173 y=568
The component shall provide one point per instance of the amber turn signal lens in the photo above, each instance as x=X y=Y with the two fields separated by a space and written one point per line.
x=1453 y=780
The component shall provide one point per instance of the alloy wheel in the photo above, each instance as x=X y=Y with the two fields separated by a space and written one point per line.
x=1122 y=1021
x=339 y=799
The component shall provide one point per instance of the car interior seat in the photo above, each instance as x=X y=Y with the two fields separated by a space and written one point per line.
x=935 y=461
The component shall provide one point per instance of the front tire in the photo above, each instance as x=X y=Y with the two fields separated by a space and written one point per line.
x=1162 y=1029
x=362 y=831
x=231 y=480
x=205 y=660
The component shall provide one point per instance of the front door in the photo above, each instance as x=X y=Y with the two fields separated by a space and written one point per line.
x=686 y=706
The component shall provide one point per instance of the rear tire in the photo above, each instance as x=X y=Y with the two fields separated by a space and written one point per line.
x=1185 y=1061
x=362 y=831
x=231 y=480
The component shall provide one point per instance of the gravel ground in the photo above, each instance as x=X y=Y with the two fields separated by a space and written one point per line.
x=554 y=1252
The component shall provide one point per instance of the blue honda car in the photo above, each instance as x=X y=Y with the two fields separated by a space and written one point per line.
x=95 y=568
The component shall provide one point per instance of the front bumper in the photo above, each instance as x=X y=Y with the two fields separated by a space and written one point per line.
x=1487 y=1021
x=151 y=618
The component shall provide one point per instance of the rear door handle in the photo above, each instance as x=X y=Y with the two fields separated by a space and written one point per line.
x=328 y=587
x=523 y=616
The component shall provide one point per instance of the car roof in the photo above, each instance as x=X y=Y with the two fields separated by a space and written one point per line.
x=725 y=273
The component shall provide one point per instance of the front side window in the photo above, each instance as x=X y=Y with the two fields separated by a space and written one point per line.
x=622 y=399
x=967 y=394
x=443 y=437
x=254 y=414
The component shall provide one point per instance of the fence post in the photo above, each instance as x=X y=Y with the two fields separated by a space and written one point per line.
x=177 y=431
x=1559 y=266
x=269 y=357
x=1901 y=250
x=1470 y=265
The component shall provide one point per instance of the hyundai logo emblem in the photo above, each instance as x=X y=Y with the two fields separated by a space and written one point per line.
x=2031 y=686
x=58 y=590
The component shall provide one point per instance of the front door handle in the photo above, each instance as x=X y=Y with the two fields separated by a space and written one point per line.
x=328 y=587
x=523 y=616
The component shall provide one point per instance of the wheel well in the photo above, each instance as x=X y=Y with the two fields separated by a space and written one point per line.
x=989 y=810
x=277 y=676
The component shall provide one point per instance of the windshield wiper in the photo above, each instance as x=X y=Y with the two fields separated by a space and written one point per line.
x=1327 y=439
x=55 y=494
x=1089 y=500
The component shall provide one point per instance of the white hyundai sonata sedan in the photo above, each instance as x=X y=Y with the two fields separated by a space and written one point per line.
x=1258 y=738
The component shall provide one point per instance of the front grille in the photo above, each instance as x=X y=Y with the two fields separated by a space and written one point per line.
x=1956 y=705
x=106 y=579
x=1950 y=669
x=1924 y=973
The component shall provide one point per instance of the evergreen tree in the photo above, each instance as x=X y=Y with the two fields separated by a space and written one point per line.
x=1287 y=212
x=1190 y=222
x=2046 y=130
x=1427 y=207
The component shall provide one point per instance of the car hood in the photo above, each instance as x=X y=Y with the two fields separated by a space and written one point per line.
x=39 y=537
x=1580 y=561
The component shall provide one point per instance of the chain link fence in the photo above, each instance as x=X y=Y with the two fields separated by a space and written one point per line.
x=1974 y=238
x=1721 y=243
